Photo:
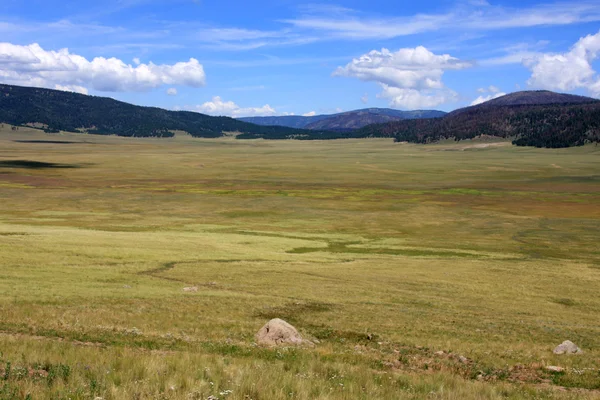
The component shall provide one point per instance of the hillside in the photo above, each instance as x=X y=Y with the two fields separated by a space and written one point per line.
x=345 y=121
x=57 y=110
x=559 y=121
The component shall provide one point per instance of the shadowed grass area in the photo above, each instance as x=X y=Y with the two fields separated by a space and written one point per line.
x=46 y=141
x=418 y=272
x=28 y=164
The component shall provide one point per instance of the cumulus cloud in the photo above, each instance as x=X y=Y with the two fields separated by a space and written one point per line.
x=309 y=114
x=172 y=91
x=33 y=66
x=567 y=71
x=228 y=108
x=410 y=77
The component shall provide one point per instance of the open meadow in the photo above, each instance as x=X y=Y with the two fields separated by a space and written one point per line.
x=445 y=271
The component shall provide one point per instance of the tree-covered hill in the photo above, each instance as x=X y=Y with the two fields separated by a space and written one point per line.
x=569 y=121
x=58 y=110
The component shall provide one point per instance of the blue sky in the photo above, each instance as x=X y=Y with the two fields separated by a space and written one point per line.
x=282 y=57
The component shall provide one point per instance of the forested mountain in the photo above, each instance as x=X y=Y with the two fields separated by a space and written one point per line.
x=58 y=110
x=559 y=121
x=344 y=121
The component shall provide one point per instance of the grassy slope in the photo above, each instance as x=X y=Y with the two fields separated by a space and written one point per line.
x=486 y=252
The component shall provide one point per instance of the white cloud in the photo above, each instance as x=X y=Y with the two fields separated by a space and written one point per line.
x=33 y=66
x=493 y=93
x=483 y=99
x=72 y=88
x=416 y=99
x=309 y=114
x=228 y=108
x=136 y=61
x=365 y=98
x=409 y=77
x=240 y=39
x=476 y=15
x=172 y=91
x=567 y=71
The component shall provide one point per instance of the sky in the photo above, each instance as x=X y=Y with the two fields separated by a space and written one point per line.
x=285 y=57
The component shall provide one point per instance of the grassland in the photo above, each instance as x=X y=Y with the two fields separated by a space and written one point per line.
x=385 y=253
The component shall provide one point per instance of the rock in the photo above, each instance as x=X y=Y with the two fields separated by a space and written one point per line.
x=277 y=332
x=439 y=353
x=552 y=368
x=190 y=289
x=463 y=359
x=567 y=347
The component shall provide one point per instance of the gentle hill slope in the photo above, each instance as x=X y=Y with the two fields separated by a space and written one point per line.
x=57 y=110
x=345 y=121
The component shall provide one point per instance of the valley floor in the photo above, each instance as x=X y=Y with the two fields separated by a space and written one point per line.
x=445 y=271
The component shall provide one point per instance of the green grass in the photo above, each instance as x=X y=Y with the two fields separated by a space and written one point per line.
x=384 y=253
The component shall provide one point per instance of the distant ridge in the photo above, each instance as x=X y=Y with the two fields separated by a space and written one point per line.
x=344 y=121
x=357 y=119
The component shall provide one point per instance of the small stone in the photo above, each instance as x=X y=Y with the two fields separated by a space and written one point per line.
x=552 y=368
x=190 y=289
x=126 y=287
x=463 y=359
x=567 y=347
x=439 y=353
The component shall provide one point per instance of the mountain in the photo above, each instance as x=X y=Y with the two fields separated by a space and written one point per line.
x=357 y=119
x=531 y=118
x=56 y=110
x=345 y=121
x=291 y=121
